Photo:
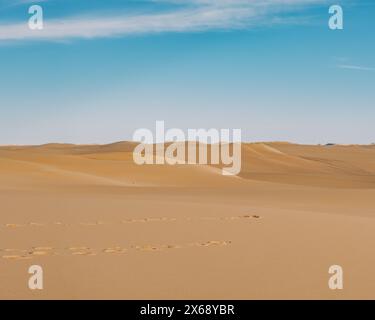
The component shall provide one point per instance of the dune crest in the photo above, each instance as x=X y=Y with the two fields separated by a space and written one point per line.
x=341 y=166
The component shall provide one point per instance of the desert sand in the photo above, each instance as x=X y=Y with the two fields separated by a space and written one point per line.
x=104 y=228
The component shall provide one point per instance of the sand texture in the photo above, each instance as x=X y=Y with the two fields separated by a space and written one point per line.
x=103 y=227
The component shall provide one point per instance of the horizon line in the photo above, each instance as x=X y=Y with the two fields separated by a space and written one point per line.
x=185 y=141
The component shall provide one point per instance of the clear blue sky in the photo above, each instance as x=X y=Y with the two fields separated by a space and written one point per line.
x=99 y=70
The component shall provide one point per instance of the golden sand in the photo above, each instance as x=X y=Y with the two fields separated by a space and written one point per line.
x=103 y=227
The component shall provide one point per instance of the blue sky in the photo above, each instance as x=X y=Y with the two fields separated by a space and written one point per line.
x=99 y=70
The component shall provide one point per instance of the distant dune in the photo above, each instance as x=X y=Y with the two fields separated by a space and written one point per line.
x=104 y=227
x=335 y=166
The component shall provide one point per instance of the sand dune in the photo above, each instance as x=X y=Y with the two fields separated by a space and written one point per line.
x=103 y=227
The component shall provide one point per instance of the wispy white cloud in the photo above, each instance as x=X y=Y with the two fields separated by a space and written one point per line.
x=189 y=15
x=354 y=67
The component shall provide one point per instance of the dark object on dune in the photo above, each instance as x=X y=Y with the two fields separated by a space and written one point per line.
x=330 y=144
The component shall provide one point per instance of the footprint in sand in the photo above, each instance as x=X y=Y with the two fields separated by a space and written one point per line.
x=127 y=221
x=78 y=248
x=13 y=250
x=16 y=257
x=39 y=253
x=153 y=219
x=42 y=248
x=213 y=243
x=81 y=251
x=13 y=225
x=226 y=218
x=15 y=254
x=146 y=248
x=246 y=216
x=19 y=254
x=115 y=250
x=37 y=224
x=172 y=246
